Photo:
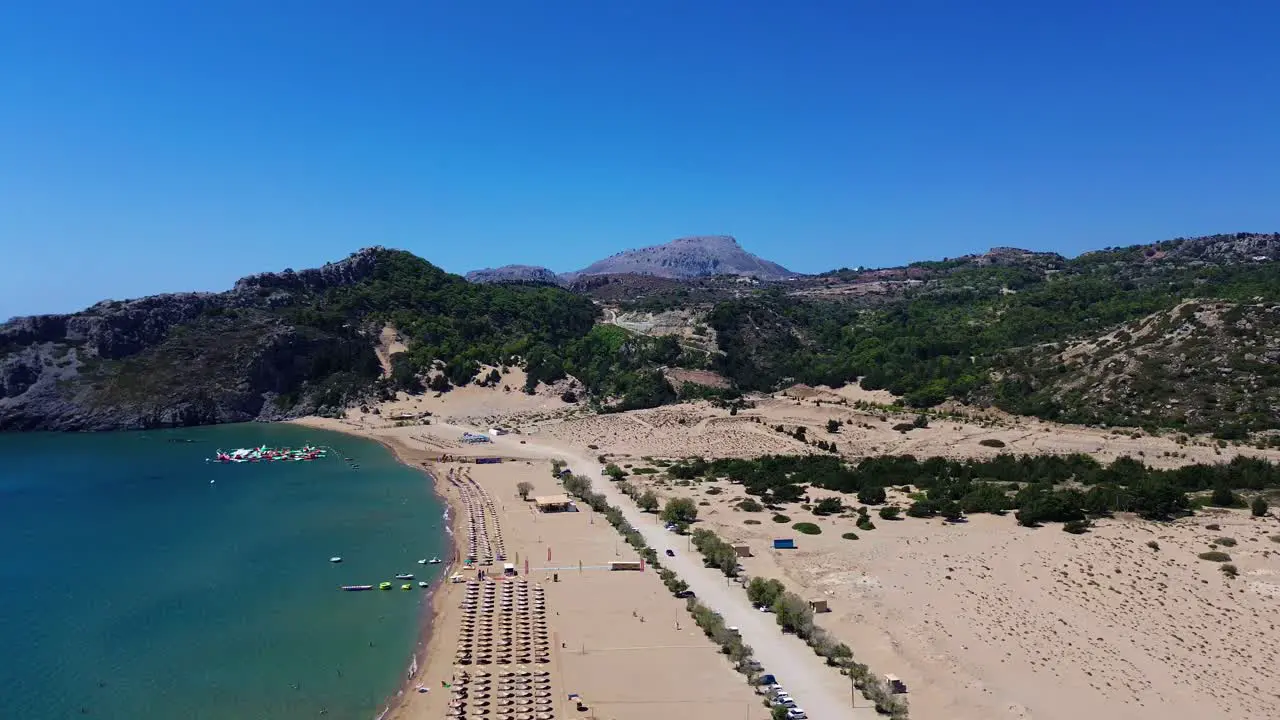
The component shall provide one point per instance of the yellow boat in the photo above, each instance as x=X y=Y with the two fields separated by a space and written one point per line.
x=406 y=586
x=384 y=586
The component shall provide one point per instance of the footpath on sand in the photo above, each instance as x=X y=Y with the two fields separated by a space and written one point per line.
x=819 y=689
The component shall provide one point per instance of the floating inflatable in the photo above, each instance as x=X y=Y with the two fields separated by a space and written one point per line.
x=266 y=454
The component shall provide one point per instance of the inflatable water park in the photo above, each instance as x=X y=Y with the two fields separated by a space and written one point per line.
x=267 y=454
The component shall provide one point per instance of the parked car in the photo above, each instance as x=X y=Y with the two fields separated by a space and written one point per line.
x=796 y=713
x=671 y=553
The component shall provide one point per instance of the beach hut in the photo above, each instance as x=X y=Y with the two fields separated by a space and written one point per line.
x=819 y=606
x=742 y=549
x=553 y=503
x=784 y=544
x=896 y=686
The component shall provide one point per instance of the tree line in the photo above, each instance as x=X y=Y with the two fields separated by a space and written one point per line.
x=1038 y=488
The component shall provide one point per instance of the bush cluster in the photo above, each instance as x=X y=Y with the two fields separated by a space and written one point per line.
x=1030 y=485
x=715 y=552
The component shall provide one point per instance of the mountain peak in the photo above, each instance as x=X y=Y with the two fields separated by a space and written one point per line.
x=689 y=257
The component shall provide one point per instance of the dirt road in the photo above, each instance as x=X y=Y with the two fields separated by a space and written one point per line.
x=820 y=690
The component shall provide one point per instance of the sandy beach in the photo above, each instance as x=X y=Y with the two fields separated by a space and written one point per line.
x=618 y=638
x=982 y=619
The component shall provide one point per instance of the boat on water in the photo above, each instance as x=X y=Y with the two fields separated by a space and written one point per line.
x=406 y=586
x=384 y=586
x=356 y=588
x=423 y=561
x=335 y=559
x=404 y=576
x=434 y=561
x=422 y=583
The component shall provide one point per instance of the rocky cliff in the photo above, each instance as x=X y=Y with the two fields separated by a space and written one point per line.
x=183 y=359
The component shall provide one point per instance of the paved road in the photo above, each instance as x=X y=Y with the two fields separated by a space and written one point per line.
x=817 y=688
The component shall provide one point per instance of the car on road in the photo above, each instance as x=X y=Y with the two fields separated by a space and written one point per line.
x=796 y=713
x=671 y=553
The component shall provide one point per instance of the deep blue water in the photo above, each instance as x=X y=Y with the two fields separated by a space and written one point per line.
x=131 y=587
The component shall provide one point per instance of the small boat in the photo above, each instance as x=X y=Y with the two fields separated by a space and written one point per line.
x=356 y=588
x=405 y=576
x=406 y=586
x=384 y=586
x=422 y=583
x=434 y=561
x=423 y=561
x=335 y=559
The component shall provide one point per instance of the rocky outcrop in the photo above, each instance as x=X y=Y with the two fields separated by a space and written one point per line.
x=356 y=267
x=685 y=258
x=1232 y=248
x=514 y=274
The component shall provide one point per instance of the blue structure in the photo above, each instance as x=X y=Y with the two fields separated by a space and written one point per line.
x=784 y=544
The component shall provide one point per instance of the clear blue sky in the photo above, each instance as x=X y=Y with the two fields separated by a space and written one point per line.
x=159 y=146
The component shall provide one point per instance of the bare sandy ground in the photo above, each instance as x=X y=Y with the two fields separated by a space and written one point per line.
x=982 y=619
x=986 y=619
x=619 y=639
x=699 y=429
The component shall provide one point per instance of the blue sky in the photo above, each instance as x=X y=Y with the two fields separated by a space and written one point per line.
x=160 y=146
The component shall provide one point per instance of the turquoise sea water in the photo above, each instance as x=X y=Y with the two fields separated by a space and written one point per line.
x=131 y=587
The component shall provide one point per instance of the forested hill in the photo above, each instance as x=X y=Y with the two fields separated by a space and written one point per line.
x=1036 y=333
x=276 y=345
x=1180 y=334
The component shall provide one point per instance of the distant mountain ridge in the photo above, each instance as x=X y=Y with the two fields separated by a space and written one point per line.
x=684 y=258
